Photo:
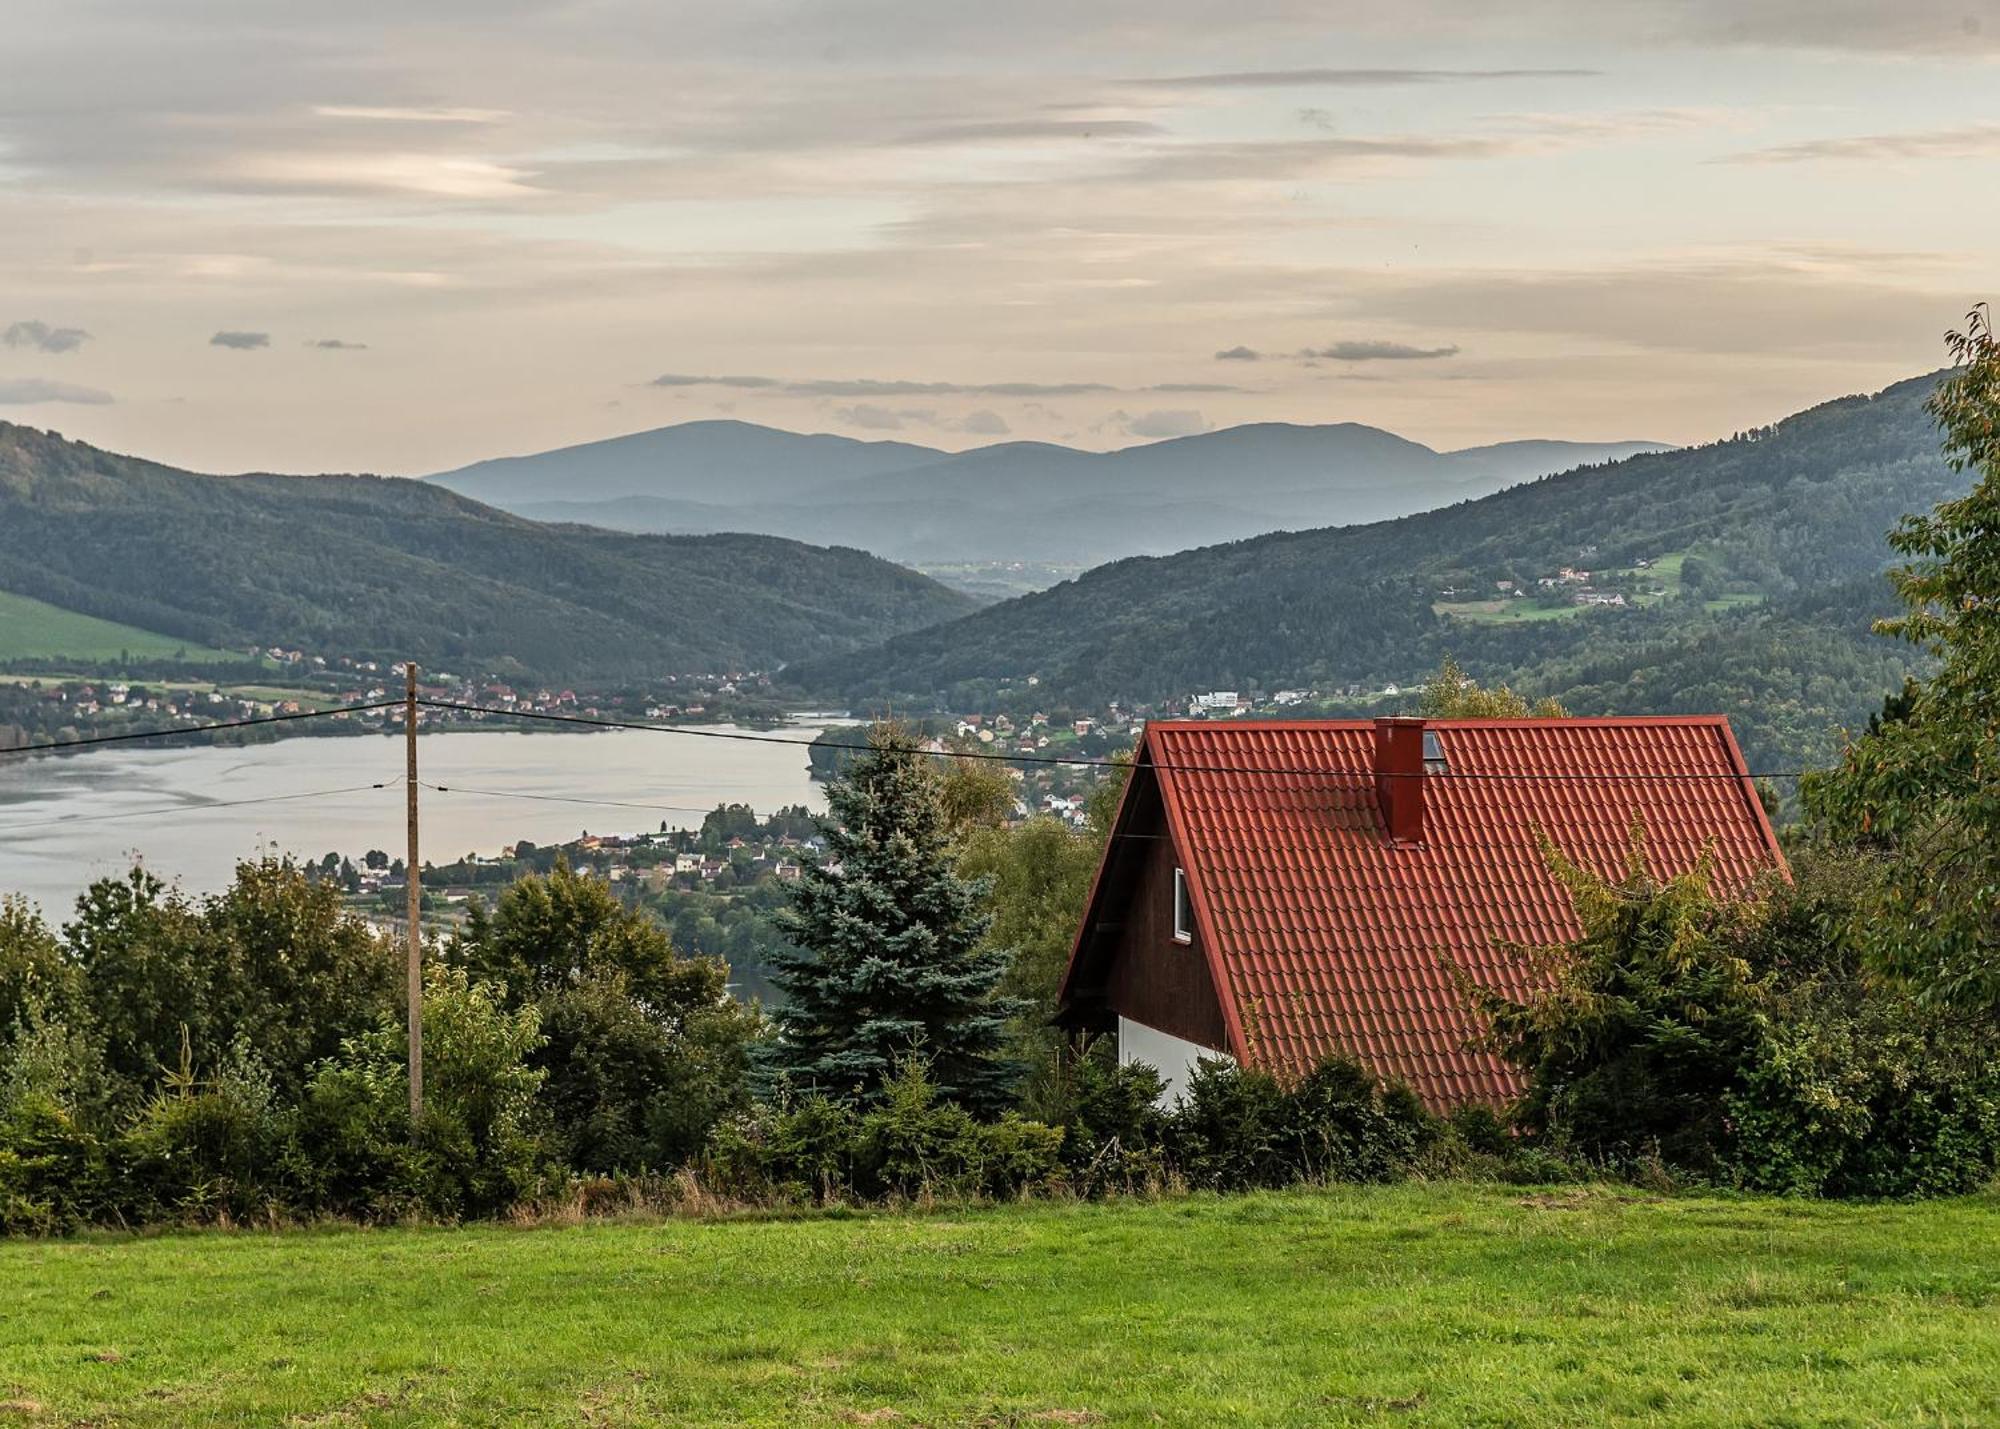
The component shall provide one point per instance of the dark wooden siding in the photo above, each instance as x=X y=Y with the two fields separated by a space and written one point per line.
x=1151 y=978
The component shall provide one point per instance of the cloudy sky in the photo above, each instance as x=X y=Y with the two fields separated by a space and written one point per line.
x=400 y=235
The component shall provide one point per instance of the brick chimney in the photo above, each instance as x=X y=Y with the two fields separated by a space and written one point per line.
x=1399 y=778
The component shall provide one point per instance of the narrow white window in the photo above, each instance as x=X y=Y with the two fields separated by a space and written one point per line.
x=1183 y=909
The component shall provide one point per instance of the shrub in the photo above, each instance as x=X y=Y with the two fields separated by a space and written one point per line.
x=1748 y=1043
x=1017 y=1156
x=1343 y=1125
x=480 y=1144
x=801 y=1152
x=1642 y=1025
x=1866 y=1096
x=1109 y=1114
x=1229 y=1132
x=205 y=1150
x=53 y=1172
x=1241 y=1128
x=910 y=1144
x=909 y=1141
x=644 y=1051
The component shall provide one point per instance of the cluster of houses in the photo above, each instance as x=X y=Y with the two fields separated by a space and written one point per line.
x=89 y=701
x=1229 y=704
x=662 y=861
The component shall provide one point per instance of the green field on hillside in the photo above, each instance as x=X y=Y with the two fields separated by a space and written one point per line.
x=33 y=630
x=1503 y=612
x=1411 y=1305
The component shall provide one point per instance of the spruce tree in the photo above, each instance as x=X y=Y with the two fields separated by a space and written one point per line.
x=890 y=944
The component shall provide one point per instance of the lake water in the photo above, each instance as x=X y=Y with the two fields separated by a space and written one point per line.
x=67 y=820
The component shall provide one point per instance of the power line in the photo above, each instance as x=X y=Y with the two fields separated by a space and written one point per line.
x=1086 y=762
x=254 y=722
x=566 y=799
x=199 y=808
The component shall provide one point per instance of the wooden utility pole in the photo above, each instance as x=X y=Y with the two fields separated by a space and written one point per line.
x=413 y=882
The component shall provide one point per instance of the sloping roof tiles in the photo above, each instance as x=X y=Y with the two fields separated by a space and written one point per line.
x=1322 y=934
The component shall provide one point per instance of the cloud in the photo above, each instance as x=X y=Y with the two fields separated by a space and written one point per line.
x=884 y=419
x=684 y=379
x=334 y=344
x=29 y=391
x=452 y=176
x=1372 y=350
x=1033 y=130
x=1368 y=350
x=399 y=114
x=241 y=341
x=1349 y=78
x=1181 y=423
x=862 y=414
x=1972 y=141
x=1748 y=307
x=871 y=387
x=984 y=424
x=1192 y=387
x=43 y=338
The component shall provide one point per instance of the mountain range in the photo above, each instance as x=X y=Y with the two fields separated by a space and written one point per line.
x=1739 y=576
x=375 y=567
x=1028 y=502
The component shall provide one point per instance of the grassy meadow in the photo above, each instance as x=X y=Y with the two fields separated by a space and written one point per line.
x=34 y=630
x=1407 y=1305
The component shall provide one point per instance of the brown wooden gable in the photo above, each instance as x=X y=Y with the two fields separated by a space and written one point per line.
x=1127 y=962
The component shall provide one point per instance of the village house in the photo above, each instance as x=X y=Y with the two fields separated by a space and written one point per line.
x=1274 y=892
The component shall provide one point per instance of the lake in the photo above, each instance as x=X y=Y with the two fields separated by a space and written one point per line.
x=66 y=820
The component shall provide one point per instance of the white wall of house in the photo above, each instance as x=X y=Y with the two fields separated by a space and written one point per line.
x=1172 y=1057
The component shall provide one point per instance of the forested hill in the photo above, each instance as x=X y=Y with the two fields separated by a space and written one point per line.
x=381 y=568
x=1771 y=541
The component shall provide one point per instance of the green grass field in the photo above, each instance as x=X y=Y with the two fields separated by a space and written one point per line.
x=1404 y=1305
x=33 y=630
x=1503 y=612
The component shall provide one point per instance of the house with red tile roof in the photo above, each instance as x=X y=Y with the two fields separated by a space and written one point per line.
x=1275 y=891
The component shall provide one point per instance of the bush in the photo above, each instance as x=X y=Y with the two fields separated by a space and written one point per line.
x=1109 y=1114
x=1643 y=1024
x=644 y=1051
x=480 y=1144
x=54 y=1175
x=802 y=1152
x=1748 y=1044
x=1877 y=1099
x=910 y=1144
x=54 y=1170
x=1017 y=1156
x=1229 y=1132
x=204 y=1151
x=1241 y=1128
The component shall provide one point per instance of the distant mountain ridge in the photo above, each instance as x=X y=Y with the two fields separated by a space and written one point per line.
x=386 y=568
x=1014 y=501
x=1772 y=543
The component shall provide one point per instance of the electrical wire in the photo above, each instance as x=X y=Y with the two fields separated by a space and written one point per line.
x=564 y=799
x=1084 y=762
x=254 y=722
x=198 y=808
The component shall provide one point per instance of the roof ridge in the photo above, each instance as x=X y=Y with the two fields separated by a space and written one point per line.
x=1623 y=721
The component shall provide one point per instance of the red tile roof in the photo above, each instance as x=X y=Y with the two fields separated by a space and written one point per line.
x=1322 y=934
